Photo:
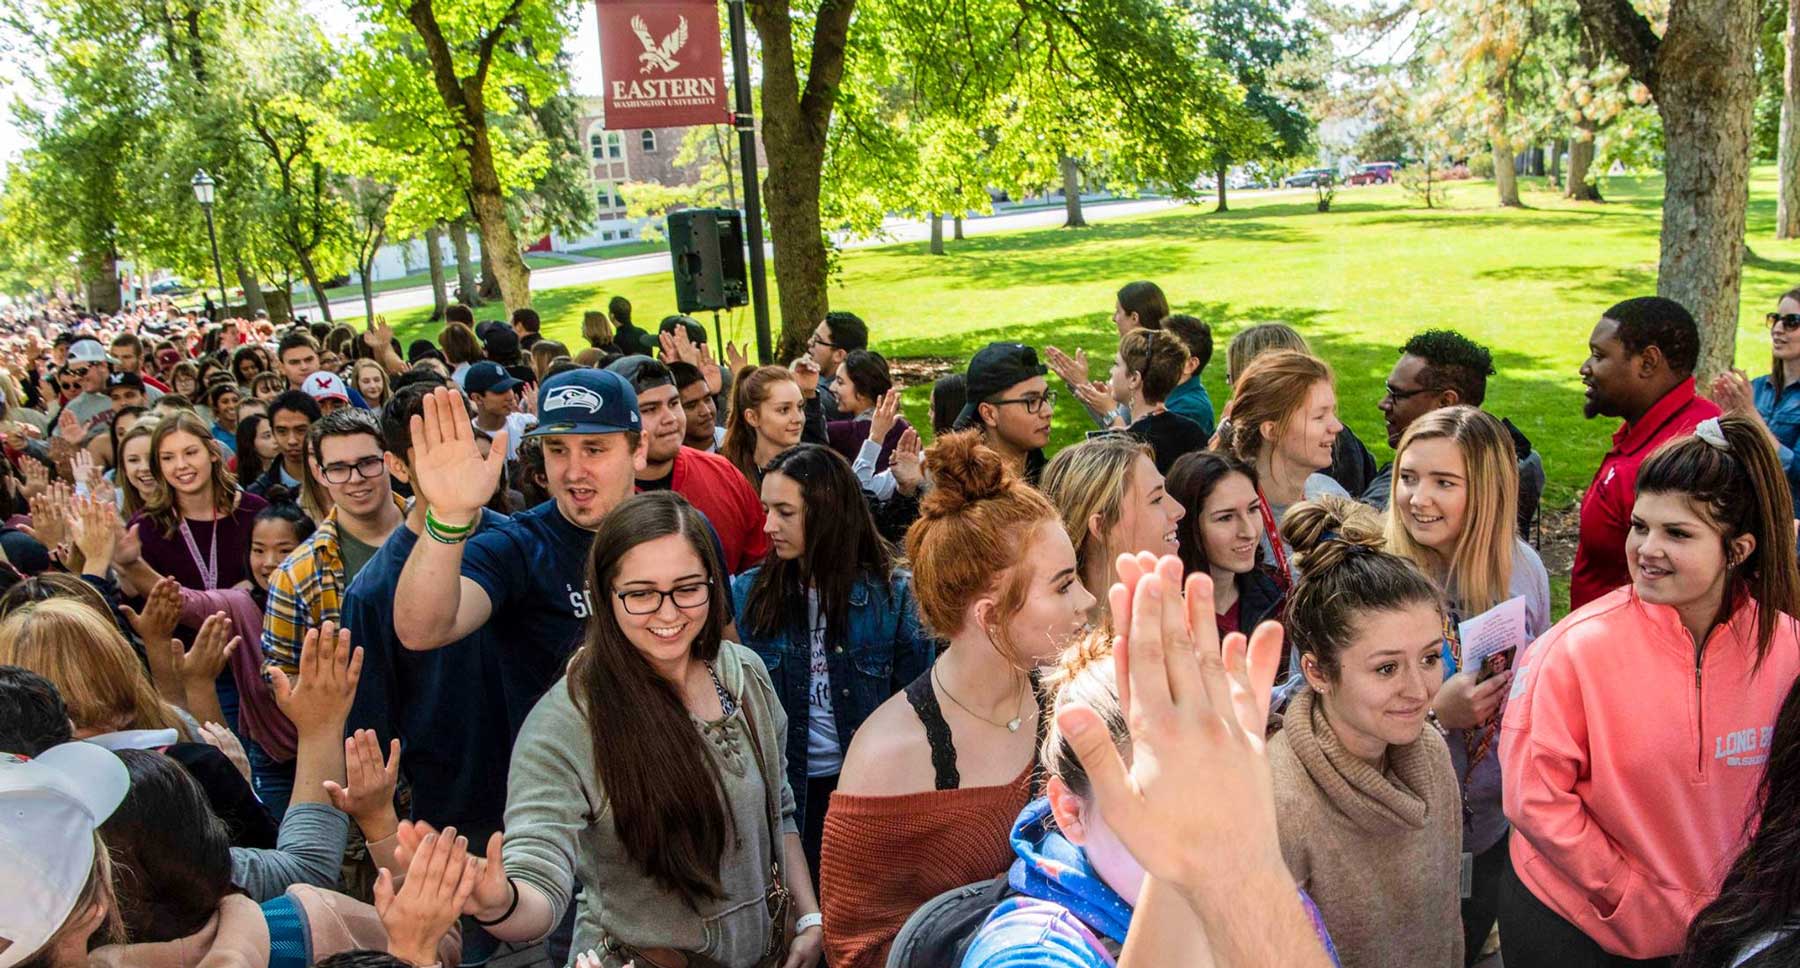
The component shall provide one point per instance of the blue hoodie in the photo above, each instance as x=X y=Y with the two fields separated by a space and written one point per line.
x=1062 y=909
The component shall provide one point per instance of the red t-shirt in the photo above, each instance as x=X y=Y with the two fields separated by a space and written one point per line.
x=1606 y=508
x=715 y=486
x=1228 y=619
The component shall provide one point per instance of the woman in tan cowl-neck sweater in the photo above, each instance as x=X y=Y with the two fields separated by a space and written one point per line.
x=1365 y=793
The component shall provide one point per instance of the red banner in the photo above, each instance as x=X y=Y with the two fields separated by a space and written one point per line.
x=661 y=63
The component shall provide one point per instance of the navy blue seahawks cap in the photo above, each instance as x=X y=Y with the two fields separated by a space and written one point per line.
x=586 y=401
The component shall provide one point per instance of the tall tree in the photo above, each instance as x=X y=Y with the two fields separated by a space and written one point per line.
x=1702 y=77
x=1262 y=45
x=1787 y=155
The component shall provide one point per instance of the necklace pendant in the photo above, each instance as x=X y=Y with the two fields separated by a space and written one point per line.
x=1013 y=726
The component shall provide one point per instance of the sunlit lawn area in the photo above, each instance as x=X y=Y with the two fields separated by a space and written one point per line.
x=1357 y=281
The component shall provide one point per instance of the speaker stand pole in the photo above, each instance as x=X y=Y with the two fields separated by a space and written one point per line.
x=719 y=337
x=744 y=119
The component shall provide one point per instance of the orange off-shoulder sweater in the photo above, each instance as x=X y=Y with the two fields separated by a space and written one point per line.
x=882 y=857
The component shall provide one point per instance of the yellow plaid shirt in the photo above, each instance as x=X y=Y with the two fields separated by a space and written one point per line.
x=305 y=591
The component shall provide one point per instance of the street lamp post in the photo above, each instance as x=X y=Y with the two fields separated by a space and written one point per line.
x=203 y=193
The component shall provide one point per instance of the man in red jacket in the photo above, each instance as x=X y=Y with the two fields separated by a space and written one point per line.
x=709 y=482
x=1640 y=366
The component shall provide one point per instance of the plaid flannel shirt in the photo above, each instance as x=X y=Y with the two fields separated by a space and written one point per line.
x=305 y=591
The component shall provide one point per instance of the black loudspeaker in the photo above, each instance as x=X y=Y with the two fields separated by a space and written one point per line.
x=708 y=249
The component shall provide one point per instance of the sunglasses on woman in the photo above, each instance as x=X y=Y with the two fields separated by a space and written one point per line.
x=1787 y=321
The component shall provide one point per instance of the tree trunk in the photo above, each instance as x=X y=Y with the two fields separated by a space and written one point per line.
x=100 y=282
x=1787 y=197
x=1581 y=156
x=1224 y=206
x=956 y=229
x=1071 y=180
x=490 y=281
x=465 y=268
x=796 y=118
x=1556 y=169
x=253 y=297
x=312 y=279
x=937 y=233
x=434 y=259
x=1506 y=178
x=465 y=98
x=1702 y=73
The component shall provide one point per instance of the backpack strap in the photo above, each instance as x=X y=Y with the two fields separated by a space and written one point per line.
x=937 y=731
x=290 y=938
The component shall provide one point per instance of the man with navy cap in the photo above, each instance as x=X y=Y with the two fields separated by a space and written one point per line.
x=1010 y=402
x=495 y=394
x=526 y=575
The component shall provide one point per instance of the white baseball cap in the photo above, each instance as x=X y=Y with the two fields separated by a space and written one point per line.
x=323 y=385
x=87 y=351
x=49 y=809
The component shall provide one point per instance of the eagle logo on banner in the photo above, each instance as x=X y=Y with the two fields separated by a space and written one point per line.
x=659 y=56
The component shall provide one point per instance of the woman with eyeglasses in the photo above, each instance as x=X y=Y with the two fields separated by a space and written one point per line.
x=1768 y=397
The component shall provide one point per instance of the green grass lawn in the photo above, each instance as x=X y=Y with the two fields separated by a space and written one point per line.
x=1357 y=281
x=622 y=250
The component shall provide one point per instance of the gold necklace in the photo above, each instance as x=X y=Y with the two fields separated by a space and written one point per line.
x=1012 y=726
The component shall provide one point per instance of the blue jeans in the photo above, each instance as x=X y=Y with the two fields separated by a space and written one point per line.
x=272 y=781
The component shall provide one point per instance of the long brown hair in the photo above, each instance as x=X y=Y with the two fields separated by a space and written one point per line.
x=747 y=393
x=133 y=503
x=1742 y=488
x=162 y=507
x=664 y=792
x=1274 y=390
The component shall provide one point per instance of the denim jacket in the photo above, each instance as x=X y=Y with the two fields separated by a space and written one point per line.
x=1783 y=418
x=886 y=649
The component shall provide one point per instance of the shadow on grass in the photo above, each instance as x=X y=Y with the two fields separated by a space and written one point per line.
x=1616 y=282
x=1546 y=410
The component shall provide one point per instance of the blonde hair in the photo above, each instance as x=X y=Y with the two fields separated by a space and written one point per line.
x=1092 y=480
x=1256 y=340
x=161 y=507
x=1084 y=676
x=369 y=364
x=1272 y=390
x=596 y=328
x=1480 y=569
x=83 y=655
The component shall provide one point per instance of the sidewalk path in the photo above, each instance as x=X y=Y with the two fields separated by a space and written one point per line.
x=893 y=230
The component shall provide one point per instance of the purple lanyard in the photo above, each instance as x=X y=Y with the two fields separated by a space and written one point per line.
x=209 y=569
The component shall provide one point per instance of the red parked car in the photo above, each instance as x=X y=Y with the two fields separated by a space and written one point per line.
x=1375 y=173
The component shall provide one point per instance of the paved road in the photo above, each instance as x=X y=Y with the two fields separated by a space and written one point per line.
x=894 y=230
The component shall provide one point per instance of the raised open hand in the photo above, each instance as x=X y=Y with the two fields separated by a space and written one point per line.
x=379 y=336
x=213 y=647
x=68 y=428
x=1197 y=800
x=93 y=525
x=1073 y=369
x=908 y=462
x=162 y=611
x=319 y=701
x=37 y=476
x=438 y=883
x=225 y=741
x=48 y=509
x=448 y=468
x=736 y=357
x=130 y=549
x=492 y=896
x=887 y=411
x=367 y=793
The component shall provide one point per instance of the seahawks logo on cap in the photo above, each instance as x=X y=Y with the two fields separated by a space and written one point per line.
x=573 y=397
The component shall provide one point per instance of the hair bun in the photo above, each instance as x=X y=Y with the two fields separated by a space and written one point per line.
x=963 y=470
x=1327 y=530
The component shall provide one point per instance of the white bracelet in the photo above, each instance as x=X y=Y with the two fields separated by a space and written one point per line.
x=807 y=922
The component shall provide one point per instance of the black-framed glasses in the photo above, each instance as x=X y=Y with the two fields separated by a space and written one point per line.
x=817 y=340
x=365 y=468
x=1398 y=395
x=1032 y=403
x=1787 y=321
x=649 y=601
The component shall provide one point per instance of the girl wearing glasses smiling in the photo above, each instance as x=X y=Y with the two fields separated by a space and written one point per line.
x=1769 y=397
x=654 y=773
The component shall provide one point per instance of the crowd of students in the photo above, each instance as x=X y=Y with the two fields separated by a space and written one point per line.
x=320 y=649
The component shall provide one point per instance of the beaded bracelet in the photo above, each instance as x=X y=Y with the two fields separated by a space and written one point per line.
x=445 y=533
